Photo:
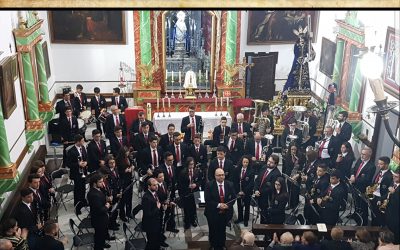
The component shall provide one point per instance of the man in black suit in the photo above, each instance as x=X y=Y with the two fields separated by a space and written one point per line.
x=113 y=120
x=141 y=140
x=199 y=153
x=383 y=179
x=242 y=127
x=68 y=129
x=117 y=141
x=243 y=179
x=39 y=202
x=119 y=100
x=255 y=148
x=97 y=151
x=49 y=239
x=331 y=199
x=98 y=105
x=98 y=211
x=63 y=104
x=392 y=208
x=263 y=186
x=327 y=151
x=151 y=215
x=170 y=174
x=80 y=100
x=312 y=121
x=219 y=196
x=235 y=147
x=168 y=138
x=136 y=126
x=220 y=132
x=179 y=150
x=26 y=215
x=191 y=125
x=151 y=156
x=361 y=177
x=77 y=163
x=344 y=129
x=291 y=130
x=220 y=162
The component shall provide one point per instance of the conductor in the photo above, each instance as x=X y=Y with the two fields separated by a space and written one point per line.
x=220 y=197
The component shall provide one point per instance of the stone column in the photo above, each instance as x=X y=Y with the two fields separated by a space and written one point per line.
x=145 y=37
x=356 y=90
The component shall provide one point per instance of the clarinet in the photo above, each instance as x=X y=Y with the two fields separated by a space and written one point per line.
x=164 y=219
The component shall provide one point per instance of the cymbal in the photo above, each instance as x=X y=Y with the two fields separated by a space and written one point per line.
x=259 y=101
x=247 y=109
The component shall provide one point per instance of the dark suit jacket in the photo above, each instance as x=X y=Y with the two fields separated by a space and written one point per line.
x=365 y=176
x=237 y=151
x=68 y=133
x=151 y=214
x=122 y=105
x=184 y=150
x=73 y=163
x=288 y=164
x=110 y=125
x=265 y=188
x=330 y=212
x=122 y=164
x=251 y=147
x=320 y=185
x=60 y=108
x=311 y=171
x=335 y=245
x=246 y=128
x=146 y=157
x=247 y=183
x=164 y=141
x=163 y=193
x=97 y=204
x=77 y=104
x=48 y=242
x=285 y=134
x=345 y=165
x=171 y=182
x=228 y=169
x=200 y=157
x=97 y=106
x=212 y=200
x=45 y=185
x=217 y=133
x=25 y=217
x=188 y=131
x=312 y=125
x=345 y=133
x=134 y=128
x=386 y=181
x=115 y=145
x=95 y=154
x=184 y=181
x=139 y=143
x=392 y=213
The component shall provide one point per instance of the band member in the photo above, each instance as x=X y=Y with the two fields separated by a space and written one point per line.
x=310 y=169
x=256 y=148
x=345 y=160
x=168 y=138
x=312 y=121
x=170 y=174
x=117 y=141
x=141 y=140
x=68 y=129
x=392 y=209
x=179 y=150
x=279 y=200
x=125 y=169
x=361 y=177
x=191 y=125
x=243 y=179
x=291 y=133
x=292 y=166
x=98 y=105
x=235 y=147
x=242 y=127
x=80 y=100
x=265 y=123
x=77 y=163
x=199 y=153
x=220 y=132
x=328 y=146
x=119 y=100
x=50 y=239
x=116 y=119
x=98 y=211
x=97 y=151
x=63 y=104
x=46 y=188
x=382 y=181
x=151 y=156
x=188 y=183
x=26 y=215
x=220 y=162
x=332 y=199
x=343 y=130
x=263 y=185
x=114 y=184
x=38 y=200
x=220 y=196
x=151 y=215
x=136 y=127
x=164 y=193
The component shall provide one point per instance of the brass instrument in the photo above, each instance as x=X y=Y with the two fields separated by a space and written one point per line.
x=80 y=169
x=305 y=128
x=369 y=191
x=260 y=123
x=103 y=116
x=332 y=123
x=383 y=206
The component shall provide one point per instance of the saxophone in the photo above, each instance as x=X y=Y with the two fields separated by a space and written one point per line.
x=369 y=191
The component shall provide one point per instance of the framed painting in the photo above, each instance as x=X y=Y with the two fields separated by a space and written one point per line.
x=46 y=59
x=7 y=90
x=392 y=64
x=327 y=60
x=269 y=27
x=87 y=26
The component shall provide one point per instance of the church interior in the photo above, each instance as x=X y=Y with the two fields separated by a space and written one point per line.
x=117 y=128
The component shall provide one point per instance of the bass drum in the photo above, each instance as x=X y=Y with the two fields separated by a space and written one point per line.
x=82 y=126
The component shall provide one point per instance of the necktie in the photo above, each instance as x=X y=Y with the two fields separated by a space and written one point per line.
x=120 y=141
x=38 y=195
x=69 y=104
x=378 y=177
x=292 y=132
x=170 y=172
x=97 y=99
x=116 y=120
x=263 y=178
x=321 y=148
x=395 y=186
x=221 y=165
x=243 y=173
x=170 y=140
x=221 y=194
x=70 y=122
x=340 y=125
x=155 y=197
x=359 y=169
x=140 y=127
x=258 y=151
x=99 y=146
x=162 y=188
x=146 y=138
x=240 y=129
x=197 y=150
x=232 y=145
x=155 y=163
x=178 y=154
x=193 y=130
x=117 y=101
x=328 y=192
x=81 y=99
x=81 y=150
x=191 y=174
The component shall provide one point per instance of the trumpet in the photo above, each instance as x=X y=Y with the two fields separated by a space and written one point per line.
x=81 y=169
x=369 y=191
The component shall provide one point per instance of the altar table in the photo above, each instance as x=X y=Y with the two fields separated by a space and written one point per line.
x=210 y=121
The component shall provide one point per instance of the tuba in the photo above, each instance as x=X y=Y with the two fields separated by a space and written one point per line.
x=305 y=128
x=259 y=122
x=333 y=123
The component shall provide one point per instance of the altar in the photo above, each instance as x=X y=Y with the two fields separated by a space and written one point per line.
x=210 y=120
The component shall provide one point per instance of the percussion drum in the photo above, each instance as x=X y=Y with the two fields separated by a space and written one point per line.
x=86 y=116
x=103 y=117
x=81 y=126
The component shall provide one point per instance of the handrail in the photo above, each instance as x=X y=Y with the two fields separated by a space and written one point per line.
x=319 y=84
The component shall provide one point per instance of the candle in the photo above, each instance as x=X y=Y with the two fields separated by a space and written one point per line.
x=169 y=102
x=216 y=102
x=199 y=75
x=163 y=105
x=227 y=102
x=158 y=103
x=166 y=75
x=215 y=75
x=172 y=76
x=206 y=75
x=180 y=77
x=222 y=104
x=377 y=89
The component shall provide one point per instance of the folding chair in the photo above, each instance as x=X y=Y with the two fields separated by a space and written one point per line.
x=84 y=223
x=80 y=239
x=64 y=188
x=132 y=243
x=138 y=224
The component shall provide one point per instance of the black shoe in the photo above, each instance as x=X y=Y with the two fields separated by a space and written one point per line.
x=111 y=237
x=246 y=223
x=194 y=224
x=237 y=221
x=124 y=219
x=106 y=245
x=173 y=230
x=164 y=244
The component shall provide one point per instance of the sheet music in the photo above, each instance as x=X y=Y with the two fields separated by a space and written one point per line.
x=322 y=227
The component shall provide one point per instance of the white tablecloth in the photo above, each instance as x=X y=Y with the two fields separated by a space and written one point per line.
x=210 y=121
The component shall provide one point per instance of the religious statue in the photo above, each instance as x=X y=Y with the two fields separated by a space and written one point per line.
x=180 y=27
x=190 y=84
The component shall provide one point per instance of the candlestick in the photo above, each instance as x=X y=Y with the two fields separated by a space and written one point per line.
x=227 y=102
x=158 y=104
x=206 y=75
x=172 y=76
x=180 y=79
x=166 y=75
x=163 y=104
x=215 y=75
x=222 y=104
x=169 y=103
x=199 y=75
x=216 y=103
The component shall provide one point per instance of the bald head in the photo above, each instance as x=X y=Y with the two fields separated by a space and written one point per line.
x=239 y=117
x=219 y=175
x=287 y=238
x=257 y=136
x=248 y=239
